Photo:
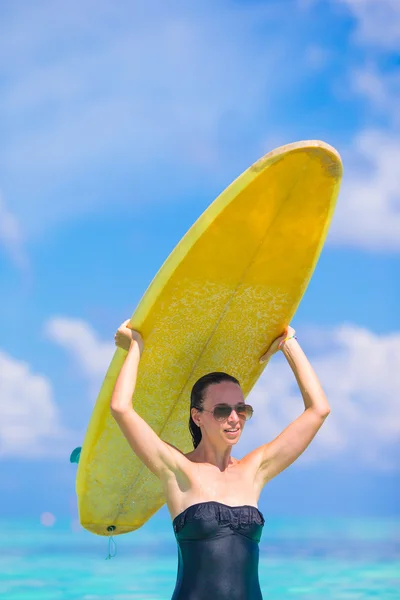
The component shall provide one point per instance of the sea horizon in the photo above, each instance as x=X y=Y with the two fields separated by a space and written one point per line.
x=302 y=557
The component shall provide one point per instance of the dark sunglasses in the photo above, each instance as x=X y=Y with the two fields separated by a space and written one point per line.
x=222 y=411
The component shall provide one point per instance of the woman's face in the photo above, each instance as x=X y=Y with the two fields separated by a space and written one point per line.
x=225 y=392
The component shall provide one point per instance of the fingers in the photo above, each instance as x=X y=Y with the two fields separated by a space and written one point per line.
x=125 y=334
x=123 y=325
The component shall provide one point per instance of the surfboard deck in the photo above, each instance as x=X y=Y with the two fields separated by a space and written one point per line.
x=227 y=290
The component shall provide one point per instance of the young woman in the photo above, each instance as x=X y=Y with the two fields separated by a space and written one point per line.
x=211 y=496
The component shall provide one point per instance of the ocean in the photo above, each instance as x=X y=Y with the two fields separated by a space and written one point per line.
x=302 y=558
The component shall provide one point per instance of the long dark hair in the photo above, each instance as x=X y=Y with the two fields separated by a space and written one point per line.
x=197 y=398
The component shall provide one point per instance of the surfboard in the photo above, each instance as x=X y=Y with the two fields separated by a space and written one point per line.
x=227 y=290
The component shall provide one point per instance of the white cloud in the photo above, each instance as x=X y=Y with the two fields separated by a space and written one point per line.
x=368 y=210
x=360 y=374
x=29 y=419
x=381 y=90
x=378 y=35
x=378 y=22
x=11 y=236
x=91 y=355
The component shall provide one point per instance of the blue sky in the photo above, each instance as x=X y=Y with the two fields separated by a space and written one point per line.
x=119 y=126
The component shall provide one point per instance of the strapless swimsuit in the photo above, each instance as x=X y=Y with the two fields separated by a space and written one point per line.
x=218 y=552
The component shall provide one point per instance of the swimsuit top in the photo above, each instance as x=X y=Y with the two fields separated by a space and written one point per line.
x=218 y=552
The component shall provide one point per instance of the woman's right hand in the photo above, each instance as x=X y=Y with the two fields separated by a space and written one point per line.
x=125 y=335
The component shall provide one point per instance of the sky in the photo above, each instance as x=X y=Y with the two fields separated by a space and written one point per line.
x=120 y=124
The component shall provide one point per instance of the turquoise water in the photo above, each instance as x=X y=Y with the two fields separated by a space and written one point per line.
x=341 y=559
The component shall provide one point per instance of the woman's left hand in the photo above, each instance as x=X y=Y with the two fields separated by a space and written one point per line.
x=274 y=347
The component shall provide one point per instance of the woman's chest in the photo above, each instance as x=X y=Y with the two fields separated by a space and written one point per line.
x=236 y=486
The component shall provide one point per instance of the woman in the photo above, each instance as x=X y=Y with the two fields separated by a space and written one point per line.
x=211 y=496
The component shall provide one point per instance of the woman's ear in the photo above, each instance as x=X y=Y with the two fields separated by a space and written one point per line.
x=194 y=415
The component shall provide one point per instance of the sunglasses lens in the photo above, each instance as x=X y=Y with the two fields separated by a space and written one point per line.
x=249 y=413
x=246 y=411
x=222 y=411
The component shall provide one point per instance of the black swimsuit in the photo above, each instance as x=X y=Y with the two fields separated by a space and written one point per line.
x=218 y=552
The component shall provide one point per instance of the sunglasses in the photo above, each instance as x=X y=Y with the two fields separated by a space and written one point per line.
x=222 y=411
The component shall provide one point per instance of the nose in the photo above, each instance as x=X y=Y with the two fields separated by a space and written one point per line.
x=233 y=418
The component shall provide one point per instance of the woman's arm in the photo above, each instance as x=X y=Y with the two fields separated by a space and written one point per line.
x=310 y=387
x=121 y=399
x=277 y=455
x=161 y=458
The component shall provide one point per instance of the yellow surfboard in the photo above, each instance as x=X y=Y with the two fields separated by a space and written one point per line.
x=223 y=295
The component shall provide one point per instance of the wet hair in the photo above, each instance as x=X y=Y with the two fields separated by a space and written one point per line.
x=197 y=398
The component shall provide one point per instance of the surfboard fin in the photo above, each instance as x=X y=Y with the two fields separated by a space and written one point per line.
x=75 y=455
